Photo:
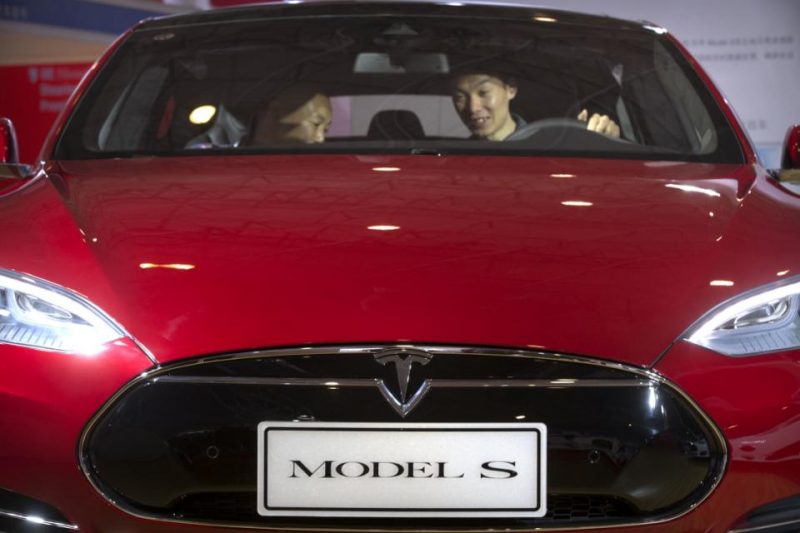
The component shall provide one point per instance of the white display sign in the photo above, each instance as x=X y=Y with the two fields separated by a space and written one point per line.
x=397 y=470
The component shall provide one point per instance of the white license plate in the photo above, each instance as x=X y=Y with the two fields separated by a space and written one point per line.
x=397 y=470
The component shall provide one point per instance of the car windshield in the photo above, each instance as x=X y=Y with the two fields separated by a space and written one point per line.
x=402 y=83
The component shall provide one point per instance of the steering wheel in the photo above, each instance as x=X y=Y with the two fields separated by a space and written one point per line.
x=564 y=123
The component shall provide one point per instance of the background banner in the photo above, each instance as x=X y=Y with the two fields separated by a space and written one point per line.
x=33 y=96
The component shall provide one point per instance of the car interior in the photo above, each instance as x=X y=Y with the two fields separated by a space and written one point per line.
x=390 y=86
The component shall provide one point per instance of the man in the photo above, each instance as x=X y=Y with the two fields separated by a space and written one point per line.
x=299 y=114
x=482 y=101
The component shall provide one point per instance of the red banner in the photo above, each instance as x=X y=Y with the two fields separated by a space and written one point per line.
x=32 y=96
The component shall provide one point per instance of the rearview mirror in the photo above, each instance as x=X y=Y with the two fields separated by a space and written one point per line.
x=412 y=63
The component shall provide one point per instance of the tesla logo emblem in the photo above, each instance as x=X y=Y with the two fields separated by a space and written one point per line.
x=402 y=400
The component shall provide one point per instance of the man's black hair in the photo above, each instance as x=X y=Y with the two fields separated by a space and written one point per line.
x=505 y=77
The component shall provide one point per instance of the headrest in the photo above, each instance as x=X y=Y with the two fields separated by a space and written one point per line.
x=395 y=125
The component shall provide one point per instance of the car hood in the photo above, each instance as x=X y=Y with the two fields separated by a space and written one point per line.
x=208 y=255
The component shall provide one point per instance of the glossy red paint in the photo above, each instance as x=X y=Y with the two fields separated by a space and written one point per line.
x=46 y=399
x=10 y=185
x=261 y=235
x=755 y=401
x=274 y=226
x=281 y=254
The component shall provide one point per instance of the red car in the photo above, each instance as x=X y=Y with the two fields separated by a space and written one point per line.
x=398 y=266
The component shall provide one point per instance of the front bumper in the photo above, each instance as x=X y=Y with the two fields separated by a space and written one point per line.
x=759 y=470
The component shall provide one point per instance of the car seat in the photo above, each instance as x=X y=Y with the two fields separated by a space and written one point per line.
x=395 y=125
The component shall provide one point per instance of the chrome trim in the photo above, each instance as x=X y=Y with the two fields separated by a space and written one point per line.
x=649 y=375
x=434 y=383
x=33 y=519
x=767 y=526
x=15 y=171
x=403 y=360
x=400 y=407
x=34 y=175
x=403 y=408
x=144 y=349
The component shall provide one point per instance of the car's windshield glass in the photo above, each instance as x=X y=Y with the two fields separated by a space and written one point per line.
x=398 y=84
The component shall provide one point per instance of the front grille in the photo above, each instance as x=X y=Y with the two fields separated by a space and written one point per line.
x=623 y=445
x=561 y=508
x=574 y=509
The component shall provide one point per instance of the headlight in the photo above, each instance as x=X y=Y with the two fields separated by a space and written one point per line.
x=760 y=321
x=36 y=313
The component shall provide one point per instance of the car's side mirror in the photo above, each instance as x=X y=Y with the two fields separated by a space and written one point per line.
x=790 y=163
x=9 y=153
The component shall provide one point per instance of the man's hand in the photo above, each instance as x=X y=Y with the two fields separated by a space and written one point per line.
x=599 y=123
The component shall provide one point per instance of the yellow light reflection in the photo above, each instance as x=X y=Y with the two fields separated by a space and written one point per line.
x=721 y=283
x=171 y=266
x=783 y=272
x=202 y=114
x=542 y=18
x=577 y=203
x=383 y=227
x=562 y=175
x=386 y=169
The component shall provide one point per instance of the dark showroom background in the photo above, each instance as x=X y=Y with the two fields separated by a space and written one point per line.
x=751 y=48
